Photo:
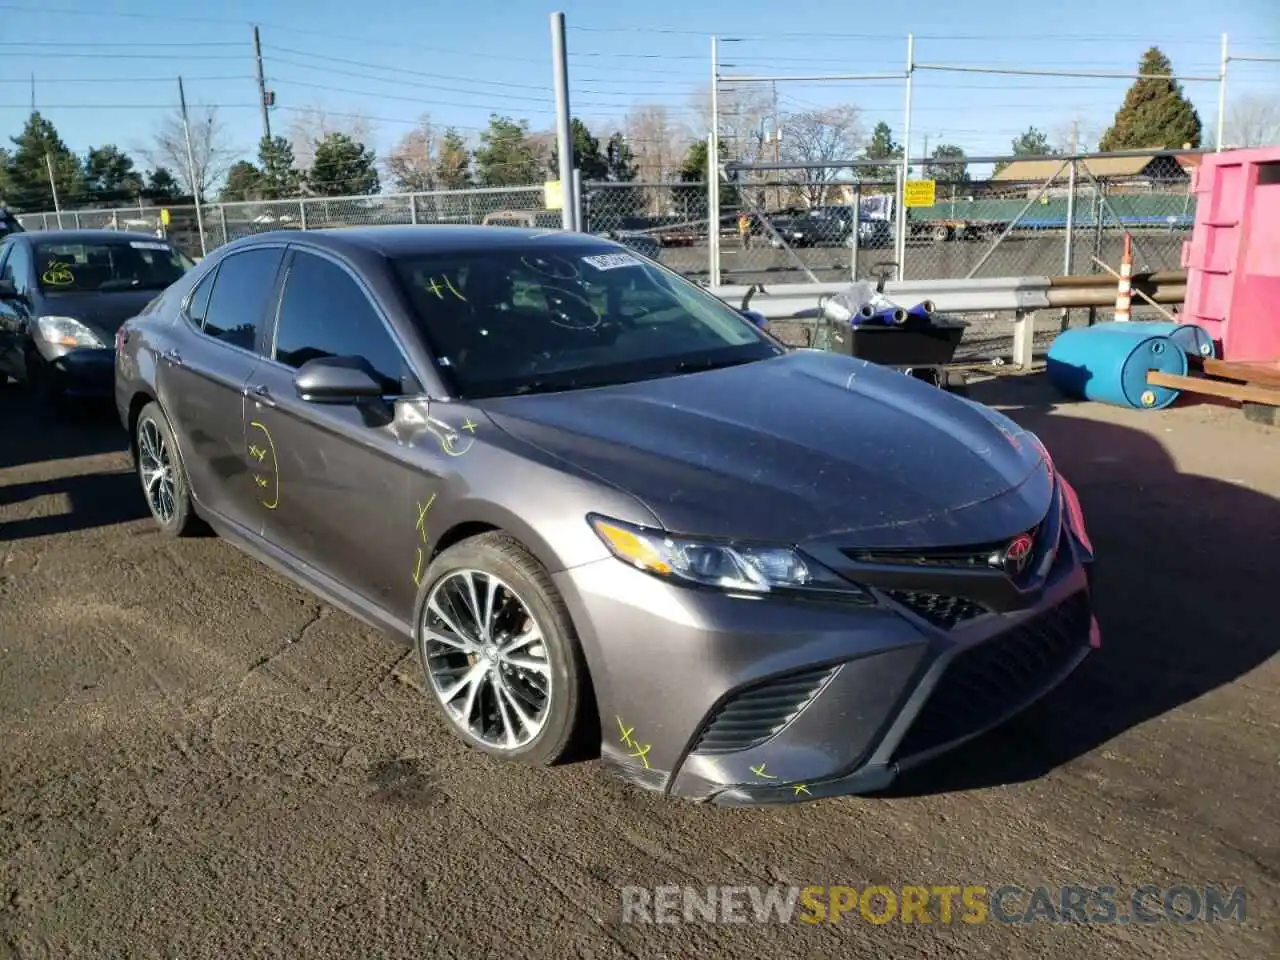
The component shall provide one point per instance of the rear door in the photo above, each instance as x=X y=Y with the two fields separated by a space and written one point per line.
x=203 y=375
x=336 y=489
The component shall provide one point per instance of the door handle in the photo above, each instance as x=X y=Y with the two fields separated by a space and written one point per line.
x=173 y=356
x=261 y=393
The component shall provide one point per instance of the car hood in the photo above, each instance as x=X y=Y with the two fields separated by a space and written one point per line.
x=101 y=312
x=808 y=445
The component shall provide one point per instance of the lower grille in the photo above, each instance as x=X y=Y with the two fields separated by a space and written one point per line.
x=983 y=684
x=940 y=610
x=757 y=714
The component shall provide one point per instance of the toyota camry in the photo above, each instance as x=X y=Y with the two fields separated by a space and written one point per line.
x=609 y=510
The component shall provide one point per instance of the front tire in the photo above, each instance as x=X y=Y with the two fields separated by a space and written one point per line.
x=499 y=652
x=160 y=470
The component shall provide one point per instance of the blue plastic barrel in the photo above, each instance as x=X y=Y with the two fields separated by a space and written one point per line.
x=1194 y=340
x=1097 y=364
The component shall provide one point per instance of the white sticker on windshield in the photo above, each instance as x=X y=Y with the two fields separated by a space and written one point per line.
x=148 y=245
x=611 y=261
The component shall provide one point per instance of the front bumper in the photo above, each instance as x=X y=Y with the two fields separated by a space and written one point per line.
x=745 y=702
x=85 y=372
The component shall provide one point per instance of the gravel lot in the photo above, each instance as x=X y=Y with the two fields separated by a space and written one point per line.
x=197 y=759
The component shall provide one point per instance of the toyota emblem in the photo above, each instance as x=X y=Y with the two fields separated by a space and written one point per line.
x=1017 y=555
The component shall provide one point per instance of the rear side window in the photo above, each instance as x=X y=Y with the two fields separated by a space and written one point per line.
x=199 y=304
x=242 y=292
x=325 y=313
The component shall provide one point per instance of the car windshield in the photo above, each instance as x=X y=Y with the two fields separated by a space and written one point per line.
x=108 y=265
x=516 y=320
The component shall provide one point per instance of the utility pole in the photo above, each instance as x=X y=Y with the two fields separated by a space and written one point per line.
x=777 y=150
x=57 y=207
x=262 y=85
x=191 y=166
x=564 y=125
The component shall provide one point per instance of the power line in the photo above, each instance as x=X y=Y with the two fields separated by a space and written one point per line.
x=169 y=80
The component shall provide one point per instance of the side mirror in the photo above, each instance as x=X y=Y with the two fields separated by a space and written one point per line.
x=7 y=290
x=756 y=317
x=337 y=380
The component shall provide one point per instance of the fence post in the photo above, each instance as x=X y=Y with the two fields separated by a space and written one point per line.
x=854 y=237
x=222 y=220
x=713 y=211
x=76 y=215
x=302 y=214
x=1098 y=213
x=1069 y=245
x=413 y=209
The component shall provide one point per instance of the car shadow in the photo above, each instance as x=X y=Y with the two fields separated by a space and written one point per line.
x=29 y=434
x=33 y=438
x=1182 y=596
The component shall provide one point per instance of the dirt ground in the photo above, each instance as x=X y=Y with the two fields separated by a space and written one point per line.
x=197 y=759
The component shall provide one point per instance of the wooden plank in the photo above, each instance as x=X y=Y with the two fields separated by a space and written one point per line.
x=1239 y=392
x=1242 y=372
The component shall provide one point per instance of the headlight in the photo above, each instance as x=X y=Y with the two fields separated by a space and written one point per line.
x=734 y=567
x=67 y=332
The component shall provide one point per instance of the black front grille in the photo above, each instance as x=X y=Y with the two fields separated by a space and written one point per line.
x=940 y=610
x=988 y=681
x=960 y=558
x=757 y=714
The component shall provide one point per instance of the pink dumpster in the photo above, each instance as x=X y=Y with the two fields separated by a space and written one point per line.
x=1233 y=256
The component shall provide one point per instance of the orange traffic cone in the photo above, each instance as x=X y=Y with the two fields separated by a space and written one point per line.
x=1124 y=287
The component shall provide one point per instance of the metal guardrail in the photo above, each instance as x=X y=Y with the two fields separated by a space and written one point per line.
x=980 y=295
x=1020 y=296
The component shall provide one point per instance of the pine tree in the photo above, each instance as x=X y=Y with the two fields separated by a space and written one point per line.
x=881 y=147
x=453 y=163
x=278 y=174
x=506 y=157
x=35 y=149
x=342 y=168
x=1155 y=113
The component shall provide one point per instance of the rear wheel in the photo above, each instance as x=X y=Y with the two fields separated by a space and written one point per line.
x=164 y=481
x=499 y=651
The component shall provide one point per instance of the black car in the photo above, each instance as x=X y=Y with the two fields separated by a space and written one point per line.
x=63 y=296
x=9 y=224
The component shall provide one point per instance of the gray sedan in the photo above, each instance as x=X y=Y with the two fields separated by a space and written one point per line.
x=608 y=510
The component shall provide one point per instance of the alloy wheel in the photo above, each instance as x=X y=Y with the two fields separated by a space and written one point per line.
x=486 y=659
x=155 y=466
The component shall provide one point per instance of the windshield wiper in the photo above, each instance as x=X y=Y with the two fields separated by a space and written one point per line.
x=696 y=366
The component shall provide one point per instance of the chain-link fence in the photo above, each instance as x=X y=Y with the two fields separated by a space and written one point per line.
x=1028 y=217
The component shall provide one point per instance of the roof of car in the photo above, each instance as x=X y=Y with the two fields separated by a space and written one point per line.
x=401 y=241
x=87 y=236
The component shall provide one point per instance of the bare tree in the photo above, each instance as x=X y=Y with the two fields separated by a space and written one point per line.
x=312 y=124
x=657 y=141
x=1076 y=135
x=412 y=162
x=211 y=150
x=1252 y=121
x=746 y=114
x=821 y=136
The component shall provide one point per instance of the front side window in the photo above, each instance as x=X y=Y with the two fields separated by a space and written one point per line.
x=325 y=313
x=243 y=290
x=17 y=268
x=101 y=267
x=545 y=317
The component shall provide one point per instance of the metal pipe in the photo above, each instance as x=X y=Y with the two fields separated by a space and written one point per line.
x=1106 y=296
x=191 y=168
x=1222 y=91
x=1158 y=278
x=901 y=219
x=814 y=78
x=1086 y=74
x=564 y=126
x=1014 y=222
x=713 y=167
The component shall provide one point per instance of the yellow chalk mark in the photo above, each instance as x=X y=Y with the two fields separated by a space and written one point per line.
x=642 y=754
x=58 y=274
x=260 y=480
x=626 y=732
x=801 y=788
x=435 y=287
x=275 y=465
x=469 y=426
x=421 y=526
x=759 y=772
x=257 y=452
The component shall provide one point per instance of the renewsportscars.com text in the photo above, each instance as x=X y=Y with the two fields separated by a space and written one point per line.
x=972 y=904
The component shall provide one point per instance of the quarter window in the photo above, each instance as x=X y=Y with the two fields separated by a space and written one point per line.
x=243 y=290
x=198 y=306
x=325 y=313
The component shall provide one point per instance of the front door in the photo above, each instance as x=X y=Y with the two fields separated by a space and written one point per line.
x=202 y=378
x=336 y=490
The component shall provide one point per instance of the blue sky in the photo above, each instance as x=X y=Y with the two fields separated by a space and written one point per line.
x=109 y=76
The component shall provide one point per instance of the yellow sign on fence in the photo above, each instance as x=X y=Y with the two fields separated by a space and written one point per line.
x=165 y=216
x=553 y=195
x=919 y=193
